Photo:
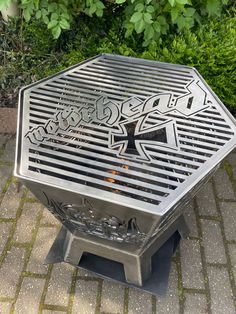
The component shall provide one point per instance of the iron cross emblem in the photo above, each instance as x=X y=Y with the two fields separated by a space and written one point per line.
x=133 y=138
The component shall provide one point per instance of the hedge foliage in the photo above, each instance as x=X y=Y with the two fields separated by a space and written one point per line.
x=150 y=18
x=30 y=53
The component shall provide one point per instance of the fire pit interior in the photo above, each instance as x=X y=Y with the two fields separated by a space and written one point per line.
x=115 y=147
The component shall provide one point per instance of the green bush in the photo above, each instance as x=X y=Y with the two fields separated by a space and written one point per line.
x=211 y=50
x=30 y=53
x=150 y=18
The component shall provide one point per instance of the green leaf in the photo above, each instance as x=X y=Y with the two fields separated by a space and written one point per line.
x=4 y=4
x=139 y=27
x=174 y=14
x=54 y=16
x=45 y=19
x=38 y=14
x=129 y=30
x=139 y=7
x=171 y=2
x=100 y=5
x=213 y=7
x=91 y=10
x=150 y=9
x=52 y=24
x=182 y=1
x=137 y=16
x=56 y=31
x=149 y=32
x=189 y=12
x=64 y=24
x=180 y=22
x=26 y=14
x=157 y=27
x=120 y=1
x=52 y=7
x=147 y=18
x=161 y=19
x=65 y=15
x=99 y=13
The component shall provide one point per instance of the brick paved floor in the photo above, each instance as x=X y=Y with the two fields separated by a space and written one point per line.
x=203 y=273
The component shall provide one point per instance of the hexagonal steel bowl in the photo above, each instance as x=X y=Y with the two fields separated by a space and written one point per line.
x=116 y=146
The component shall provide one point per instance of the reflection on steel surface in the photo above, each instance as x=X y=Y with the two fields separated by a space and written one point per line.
x=115 y=147
x=85 y=218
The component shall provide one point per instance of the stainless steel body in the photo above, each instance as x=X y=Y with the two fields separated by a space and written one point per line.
x=115 y=147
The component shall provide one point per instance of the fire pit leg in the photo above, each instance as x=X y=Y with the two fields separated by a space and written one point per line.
x=137 y=271
x=137 y=268
x=72 y=253
x=183 y=228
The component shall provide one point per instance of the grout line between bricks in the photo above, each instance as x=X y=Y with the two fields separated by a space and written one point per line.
x=88 y=278
x=7 y=220
x=203 y=258
x=180 y=281
x=27 y=257
x=72 y=290
x=33 y=275
x=9 y=242
x=8 y=182
x=6 y=299
x=231 y=241
x=206 y=217
x=228 y=263
x=154 y=304
x=43 y=296
x=217 y=265
x=99 y=296
x=52 y=307
x=126 y=300
x=194 y=291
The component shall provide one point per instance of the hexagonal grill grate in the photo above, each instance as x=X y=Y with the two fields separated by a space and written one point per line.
x=139 y=131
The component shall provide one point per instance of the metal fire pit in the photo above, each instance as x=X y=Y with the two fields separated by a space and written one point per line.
x=115 y=147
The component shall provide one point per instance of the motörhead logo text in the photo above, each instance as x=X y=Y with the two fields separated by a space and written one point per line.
x=129 y=134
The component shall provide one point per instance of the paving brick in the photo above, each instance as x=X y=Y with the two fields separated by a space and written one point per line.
x=48 y=218
x=213 y=242
x=190 y=218
x=195 y=303
x=85 y=273
x=228 y=210
x=10 y=272
x=220 y=291
x=9 y=151
x=231 y=158
x=139 y=302
x=232 y=252
x=10 y=202
x=5 y=173
x=112 y=297
x=5 y=228
x=85 y=297
x=223 y=185
x=170 y=302
x=191 y=264
x=206 y=200
x=26 y=223
x=3 y=140
x=30 y=195
x=29 y=297
x=5 y=308
x=43 y=243
x=59 y=285
x=52 y=312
